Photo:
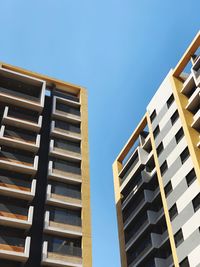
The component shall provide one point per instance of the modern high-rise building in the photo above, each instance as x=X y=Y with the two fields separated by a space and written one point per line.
x=44 y=171
x=157 y=175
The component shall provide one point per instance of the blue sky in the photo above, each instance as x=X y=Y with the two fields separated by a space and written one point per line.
x=119 y=50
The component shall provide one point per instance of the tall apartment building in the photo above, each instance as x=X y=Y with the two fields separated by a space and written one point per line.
x=44 y=171
x=157 y=175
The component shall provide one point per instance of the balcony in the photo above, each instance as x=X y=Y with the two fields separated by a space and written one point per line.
x=17 y=188
x=189 y=86
x=62 y=196
x=144 y=249
x=16 y=216
x=19 y=161
x=194 y=101
x=143 y=200
x=196 y=121
x=22 y=119
x=63 y=172
x=18 y=138
x=196 y=71
x=137 y=159
x=22 y=90
x=144 y=177
x=70 y=97
x=67 y=133
x=145 y=223
x=61 y=253
x=14 y=248
x=61 y=224
x=64 y=150
x=65 y=109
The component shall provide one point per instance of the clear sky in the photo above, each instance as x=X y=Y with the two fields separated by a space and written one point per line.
x=120 y=50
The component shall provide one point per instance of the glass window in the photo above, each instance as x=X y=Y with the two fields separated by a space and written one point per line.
x=185 y=263
x=179 y=135
x=170 y=100
x=156 y=131
x=184 y=155
x=153 y=115
x=174 y=117
x=196 y=202
x=160 y=149
x=168 y=188
x=190 y=177
x=163 y=167
x=173 y=212
x=178 y=237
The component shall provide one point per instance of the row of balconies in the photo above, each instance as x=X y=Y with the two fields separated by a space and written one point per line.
x=191 y=89
x=53 y=254
x=146 y=247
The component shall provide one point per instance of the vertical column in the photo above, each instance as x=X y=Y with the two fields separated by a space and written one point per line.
x=86 y=217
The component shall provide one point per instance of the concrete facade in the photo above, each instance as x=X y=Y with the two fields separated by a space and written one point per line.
x=44 y=171
x=169 y=135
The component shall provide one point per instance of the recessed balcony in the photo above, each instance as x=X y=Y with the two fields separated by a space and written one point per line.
x=63 y=195
x=189 y=86
x=16 y=187
x=65 y=109
x=19 y=138
x=19 y=161
x=61 y=253
x=196 y=71
x=64 y=171
x=65 y=150
x=139 y=204
x=13 y=246
x=196 y=121
x=194 y=101
x=21 y=90
x=139 y=252
x=61 y=222
x=63 y=130
x=22 y=118
x=138 y=158
x=16 y=216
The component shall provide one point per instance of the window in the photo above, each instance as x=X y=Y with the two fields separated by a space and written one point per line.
x=178 y=237
x=170 y=101
x=196 y=202
x=156 y=131
x=190 y=177
x=153 y=115
x=160 y=149
x=184 y=155
x=174 y=117
x=163 y=167
x=185 y=263
x=168 y=188
x=179 y=135
x=173 y=212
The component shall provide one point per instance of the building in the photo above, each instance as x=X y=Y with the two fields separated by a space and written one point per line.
x=44 y=171
x=157 y=175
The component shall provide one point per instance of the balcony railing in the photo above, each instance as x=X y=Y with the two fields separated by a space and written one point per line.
x=18 y=161
x=19 y=139
x=62 y=225
x=63 y=196
x=15 y=248
x=65 y=110
x=64 y=150
x=16 y=216
x=22 y=90
x=56 y=172
x=64 y=133
x=13 y=117
x=17 y=188
x=61 y=254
